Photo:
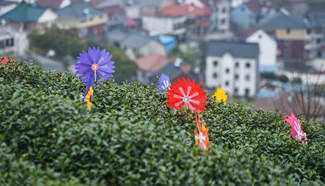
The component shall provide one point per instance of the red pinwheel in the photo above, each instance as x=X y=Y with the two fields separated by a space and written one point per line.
x=185 y=93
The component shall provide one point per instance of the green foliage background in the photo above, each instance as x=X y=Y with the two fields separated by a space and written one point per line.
x=54 y=37
x=131 y=137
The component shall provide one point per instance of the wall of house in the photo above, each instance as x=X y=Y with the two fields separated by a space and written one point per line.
x=164 y=25
x=267 y=48
x=291 y=34
x=153 y=47
x=222 y=72
x=223 y=15
x=48 y=18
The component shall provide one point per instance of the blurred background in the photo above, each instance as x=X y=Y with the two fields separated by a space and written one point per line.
x=268 y=54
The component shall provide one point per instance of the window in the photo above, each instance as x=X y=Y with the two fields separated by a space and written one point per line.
x=227 y=83
x=236 y=91
x=319 y=54
x=246 y=92
x=248 y=65
x=247 y=77
x=7 y=42
x=215 y=63
x=215 y=75
x=224 y=10
x=259 y=36
x=318 y=40
x=12 y=42
x=237 y=64
x=2 y=44
x=223 y=21
x=227 y=70
x=236 y=76
x=288 y=31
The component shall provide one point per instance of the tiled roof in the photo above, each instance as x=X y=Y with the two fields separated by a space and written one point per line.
x=24 y=12
x=176 y=10
x=55 y=4
x=135 y=41
x=236 y=49
x=152 y=63
x=77 y=11
x=317 y=18
x=113 y=10
x=284 y=20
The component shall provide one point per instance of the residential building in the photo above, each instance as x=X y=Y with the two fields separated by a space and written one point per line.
x=267 y=48
x=197 y=19
x=12 y=41
x=291 y=35
x=135 y=44
x=160 y=25
x=27 y=17
x=136 y=9
x=6 y=6
x=233 y=66
x=116 y=17
x=220 y=17
x=151 y=66
x=316 y=28
x=84 y=19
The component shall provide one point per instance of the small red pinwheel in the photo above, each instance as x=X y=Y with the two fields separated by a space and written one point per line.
x=185 y=93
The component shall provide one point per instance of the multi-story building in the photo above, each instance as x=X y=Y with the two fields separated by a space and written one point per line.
x=233 y=66
x=12 y=41
x=291 y=34
x=28 y=17
x=220 y=17
x=267 y=48
x=84 y=19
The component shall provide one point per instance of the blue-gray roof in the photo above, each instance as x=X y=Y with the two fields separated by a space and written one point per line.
x=24 y=12
x=79 y=10
x=284 y=20
x=170 y=70
x=128 y=39
x=317 y=19
x=235 y=48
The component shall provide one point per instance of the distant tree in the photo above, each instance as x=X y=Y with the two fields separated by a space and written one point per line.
x=67 y=43
x=306 y=99
x=63 y=42
x=296 y=80
x=269 y=76
x=189 y=57
x=283 y=78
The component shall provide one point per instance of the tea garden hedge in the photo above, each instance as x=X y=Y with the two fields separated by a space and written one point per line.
x=131 y=137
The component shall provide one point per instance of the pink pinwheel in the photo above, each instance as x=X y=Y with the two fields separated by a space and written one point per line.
x=296 y=131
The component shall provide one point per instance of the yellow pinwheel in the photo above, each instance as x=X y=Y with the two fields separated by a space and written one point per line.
x=220 y=95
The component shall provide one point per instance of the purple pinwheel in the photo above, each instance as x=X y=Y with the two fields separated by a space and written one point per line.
x=164 y=83
x=95 y=65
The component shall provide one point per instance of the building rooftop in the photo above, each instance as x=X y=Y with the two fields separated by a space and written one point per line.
x=24 y=12
x=175 y=10
x=78 y=10
x=284 y=20
x=152 y=63
x=235 y=48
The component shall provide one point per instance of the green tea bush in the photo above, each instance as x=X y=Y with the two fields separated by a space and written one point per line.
x=131 y=137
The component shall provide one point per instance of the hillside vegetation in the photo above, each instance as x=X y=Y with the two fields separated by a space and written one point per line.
x=131 y=137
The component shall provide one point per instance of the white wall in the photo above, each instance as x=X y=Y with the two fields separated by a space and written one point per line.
x=48 y=17
x=227 y=61
x=267 y=48
x=153 y=47
x=162 y=25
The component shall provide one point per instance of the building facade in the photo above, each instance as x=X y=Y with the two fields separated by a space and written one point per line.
x=232 y=66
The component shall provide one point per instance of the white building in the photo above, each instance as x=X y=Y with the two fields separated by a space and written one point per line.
x=12 y=41
x=233 y=66
x=164 y=25
x=267 y=48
